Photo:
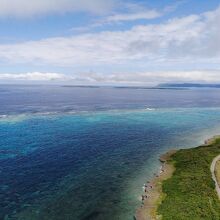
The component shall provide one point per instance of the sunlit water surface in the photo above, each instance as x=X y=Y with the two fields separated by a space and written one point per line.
x=84 y=153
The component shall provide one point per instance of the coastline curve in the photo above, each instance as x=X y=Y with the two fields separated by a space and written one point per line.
x=212 y=168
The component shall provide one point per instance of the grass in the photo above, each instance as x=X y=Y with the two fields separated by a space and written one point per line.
x=190 y=193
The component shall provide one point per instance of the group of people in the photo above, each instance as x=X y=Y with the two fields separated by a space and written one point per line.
x=148 y=185
x=143 y=197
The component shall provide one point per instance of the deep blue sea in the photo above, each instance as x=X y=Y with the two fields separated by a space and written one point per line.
x=84 y=153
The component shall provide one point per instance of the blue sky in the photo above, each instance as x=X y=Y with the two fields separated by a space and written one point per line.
x=109 y=42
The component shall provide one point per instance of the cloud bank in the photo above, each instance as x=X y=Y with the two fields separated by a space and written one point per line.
x=181 y=41
x=27 y=8
x=33 y=76
x=147 y=14
x=152 y=78
x=136 y=78
x=195 y=37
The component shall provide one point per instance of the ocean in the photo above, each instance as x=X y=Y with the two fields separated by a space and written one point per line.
x=84 y=153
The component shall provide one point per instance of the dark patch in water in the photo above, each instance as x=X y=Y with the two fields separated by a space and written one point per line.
x=113 y=189
x=119 y=176
x=92 y=216
x=115 y=201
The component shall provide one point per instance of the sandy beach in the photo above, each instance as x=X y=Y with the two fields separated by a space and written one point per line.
x=152 y=190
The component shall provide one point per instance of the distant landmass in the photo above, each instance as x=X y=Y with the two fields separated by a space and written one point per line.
x=141 y=87
x=120 y=87
x=188 y=85
x=175 y=86
x=80 y=86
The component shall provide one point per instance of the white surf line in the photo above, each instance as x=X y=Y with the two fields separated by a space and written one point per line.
x=212 y=168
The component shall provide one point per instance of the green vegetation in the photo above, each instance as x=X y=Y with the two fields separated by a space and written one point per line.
x=190 y=193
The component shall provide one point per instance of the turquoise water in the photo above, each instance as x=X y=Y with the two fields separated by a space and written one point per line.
x=90 y=165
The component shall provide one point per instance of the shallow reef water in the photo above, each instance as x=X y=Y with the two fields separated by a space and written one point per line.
x=90 y=162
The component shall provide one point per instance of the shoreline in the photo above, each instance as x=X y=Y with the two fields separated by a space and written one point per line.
x=211 y=140
x=152 y=190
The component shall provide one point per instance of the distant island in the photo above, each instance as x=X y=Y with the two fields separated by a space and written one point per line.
x=80 y=86
x=188 y=85
x=123 y=87
x=187 y=186
x=173 y=86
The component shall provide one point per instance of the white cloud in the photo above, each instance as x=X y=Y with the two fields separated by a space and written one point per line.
x=27 y=8
x=188 y=40
x=140 y=12
x=136 y=78
x=33 y=76
x=149 y=78
x=147 y=14
x=130 y=12
x=193 y=38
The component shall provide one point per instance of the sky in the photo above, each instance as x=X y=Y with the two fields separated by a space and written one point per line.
x=109 y=42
